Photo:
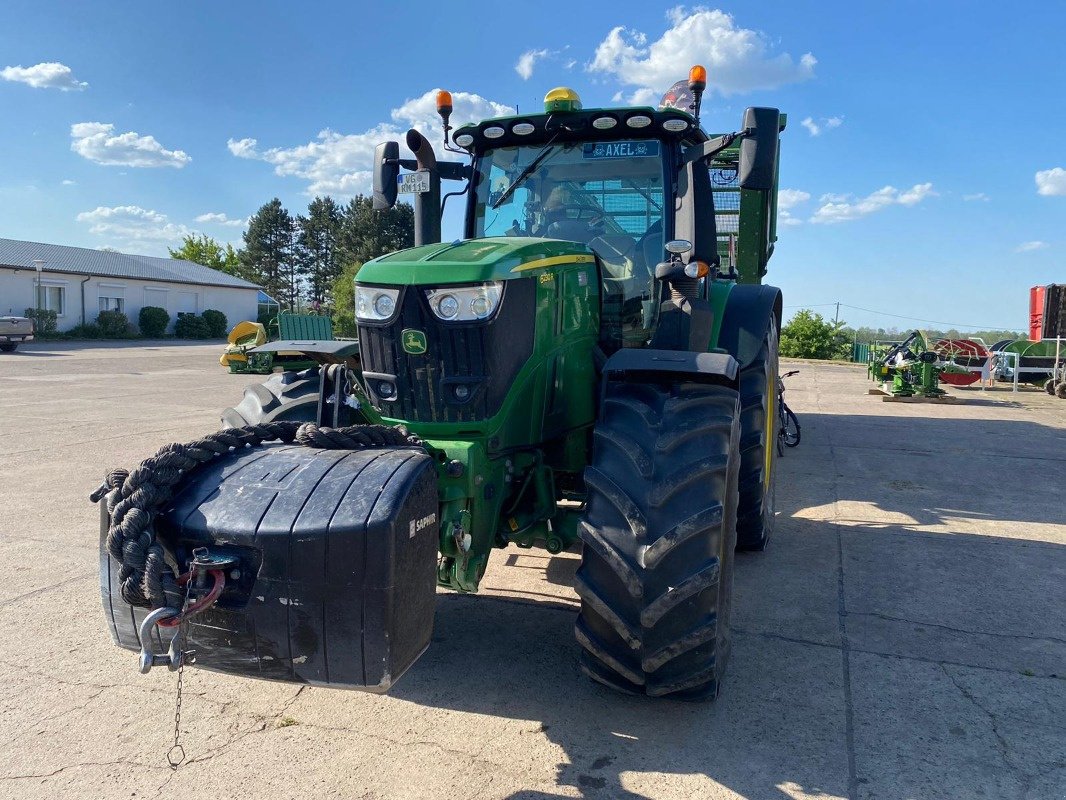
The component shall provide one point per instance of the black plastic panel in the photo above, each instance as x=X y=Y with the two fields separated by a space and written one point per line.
x=338 y=555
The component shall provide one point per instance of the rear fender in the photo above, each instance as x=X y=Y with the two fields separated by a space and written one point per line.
x=748 y=311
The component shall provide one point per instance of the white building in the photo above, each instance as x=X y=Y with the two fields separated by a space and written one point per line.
x=78 y=283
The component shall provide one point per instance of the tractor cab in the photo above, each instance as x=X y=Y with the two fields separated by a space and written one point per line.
x=622 y=182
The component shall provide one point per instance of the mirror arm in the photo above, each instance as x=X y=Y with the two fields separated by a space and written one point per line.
x=711 y=147
x=454 y=170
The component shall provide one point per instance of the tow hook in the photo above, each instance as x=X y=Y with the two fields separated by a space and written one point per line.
x=203 y=566
x=147 y=659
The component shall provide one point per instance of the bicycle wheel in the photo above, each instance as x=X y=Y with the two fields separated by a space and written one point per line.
x=791 y=428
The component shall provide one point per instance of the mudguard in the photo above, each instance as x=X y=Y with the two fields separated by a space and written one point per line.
x=677 y=365
x=748 y=311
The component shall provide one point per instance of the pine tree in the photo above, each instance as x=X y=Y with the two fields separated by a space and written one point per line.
x=367 y=234
x=268 y=253
x=317 y=244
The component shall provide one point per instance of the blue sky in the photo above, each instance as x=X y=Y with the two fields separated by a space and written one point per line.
x=929 y=179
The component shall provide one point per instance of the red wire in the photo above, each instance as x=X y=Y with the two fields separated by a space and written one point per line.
x=204 y=602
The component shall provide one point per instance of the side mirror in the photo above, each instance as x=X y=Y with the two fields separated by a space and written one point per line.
x=386 y=171
x=758 y=150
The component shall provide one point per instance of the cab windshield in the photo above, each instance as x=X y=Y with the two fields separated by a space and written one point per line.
x=607 y=195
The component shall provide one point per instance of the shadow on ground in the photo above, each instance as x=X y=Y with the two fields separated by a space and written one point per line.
x=940 y=599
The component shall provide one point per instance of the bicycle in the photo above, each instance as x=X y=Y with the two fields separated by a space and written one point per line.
x=788 y=428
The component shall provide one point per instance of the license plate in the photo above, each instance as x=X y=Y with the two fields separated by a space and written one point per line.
x=413 y=182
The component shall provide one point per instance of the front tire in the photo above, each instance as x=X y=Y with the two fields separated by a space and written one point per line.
x=758 y=453
x=656 y=574
x=289 y=396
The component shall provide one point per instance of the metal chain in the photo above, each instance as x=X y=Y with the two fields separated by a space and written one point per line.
x=176 y=753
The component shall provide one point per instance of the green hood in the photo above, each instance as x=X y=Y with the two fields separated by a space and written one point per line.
x=471 y=261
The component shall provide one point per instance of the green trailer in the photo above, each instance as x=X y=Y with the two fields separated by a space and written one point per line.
x=594 y=365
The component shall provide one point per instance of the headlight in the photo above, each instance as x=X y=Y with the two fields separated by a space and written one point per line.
x=465 y=303
x=375 y=303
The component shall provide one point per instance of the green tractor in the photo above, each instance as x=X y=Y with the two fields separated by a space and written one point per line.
x=595 y=361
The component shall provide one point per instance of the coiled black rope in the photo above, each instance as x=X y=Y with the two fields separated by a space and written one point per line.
x=134 y=498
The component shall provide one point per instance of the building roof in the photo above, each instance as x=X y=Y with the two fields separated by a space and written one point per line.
x=106 y=264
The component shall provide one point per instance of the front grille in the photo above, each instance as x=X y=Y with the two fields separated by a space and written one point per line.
x=484 y=357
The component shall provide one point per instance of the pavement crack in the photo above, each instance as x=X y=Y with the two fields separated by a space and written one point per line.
x=65 y=767
x=842 y=627
x=45 y=589
x=891 y=618
x=1001 y=742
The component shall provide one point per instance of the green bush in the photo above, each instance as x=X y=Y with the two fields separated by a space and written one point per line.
x=85 y=330
x=216 y=323
x=113 y=324
x=153 y=321
x=808 y=335
x=44 y=321
x=191 y=326
x=344 y=324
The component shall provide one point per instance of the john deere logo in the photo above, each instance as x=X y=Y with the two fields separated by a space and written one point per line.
x=414 y=342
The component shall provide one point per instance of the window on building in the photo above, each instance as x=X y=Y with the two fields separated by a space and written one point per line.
x=112 y=304
x=52 y=298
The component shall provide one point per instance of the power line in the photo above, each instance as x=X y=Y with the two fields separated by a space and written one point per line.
x=902 y=316
x=931 y=321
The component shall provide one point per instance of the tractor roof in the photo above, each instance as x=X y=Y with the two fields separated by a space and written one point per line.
x=600 y=124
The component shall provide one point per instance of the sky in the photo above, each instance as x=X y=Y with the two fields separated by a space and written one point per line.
x=923 y=169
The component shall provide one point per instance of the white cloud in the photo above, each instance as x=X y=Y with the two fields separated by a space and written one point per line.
x=737 y=59
x=1051 y=182
x=49 y=75
x=979 y=196
x=69 y=182
x=815 y=128
x=788 y=199
x=133 y=225
x=528 y=60
x=1028 y=247
x=97 y=142
x=836 y=208
x=916 y=194
x=340 y=164
x=218 y=218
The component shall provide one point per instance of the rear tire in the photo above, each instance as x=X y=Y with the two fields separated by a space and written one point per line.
x=8 y=347
x=758 y=454
x=289 y=396
x=656 y=574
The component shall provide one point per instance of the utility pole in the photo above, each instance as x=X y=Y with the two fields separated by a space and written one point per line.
x=836 y=316
x=38 y=264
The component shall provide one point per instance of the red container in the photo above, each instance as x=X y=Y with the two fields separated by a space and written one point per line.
x=1037 y=295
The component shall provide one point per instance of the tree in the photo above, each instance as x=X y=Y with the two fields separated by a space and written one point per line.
x=366 y=233
x=808 y=335
x=268 y=252
x=317 y=242
x=344 y=300
x=202 y=249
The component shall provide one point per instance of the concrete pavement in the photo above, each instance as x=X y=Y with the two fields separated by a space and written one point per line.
x=904 y=636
